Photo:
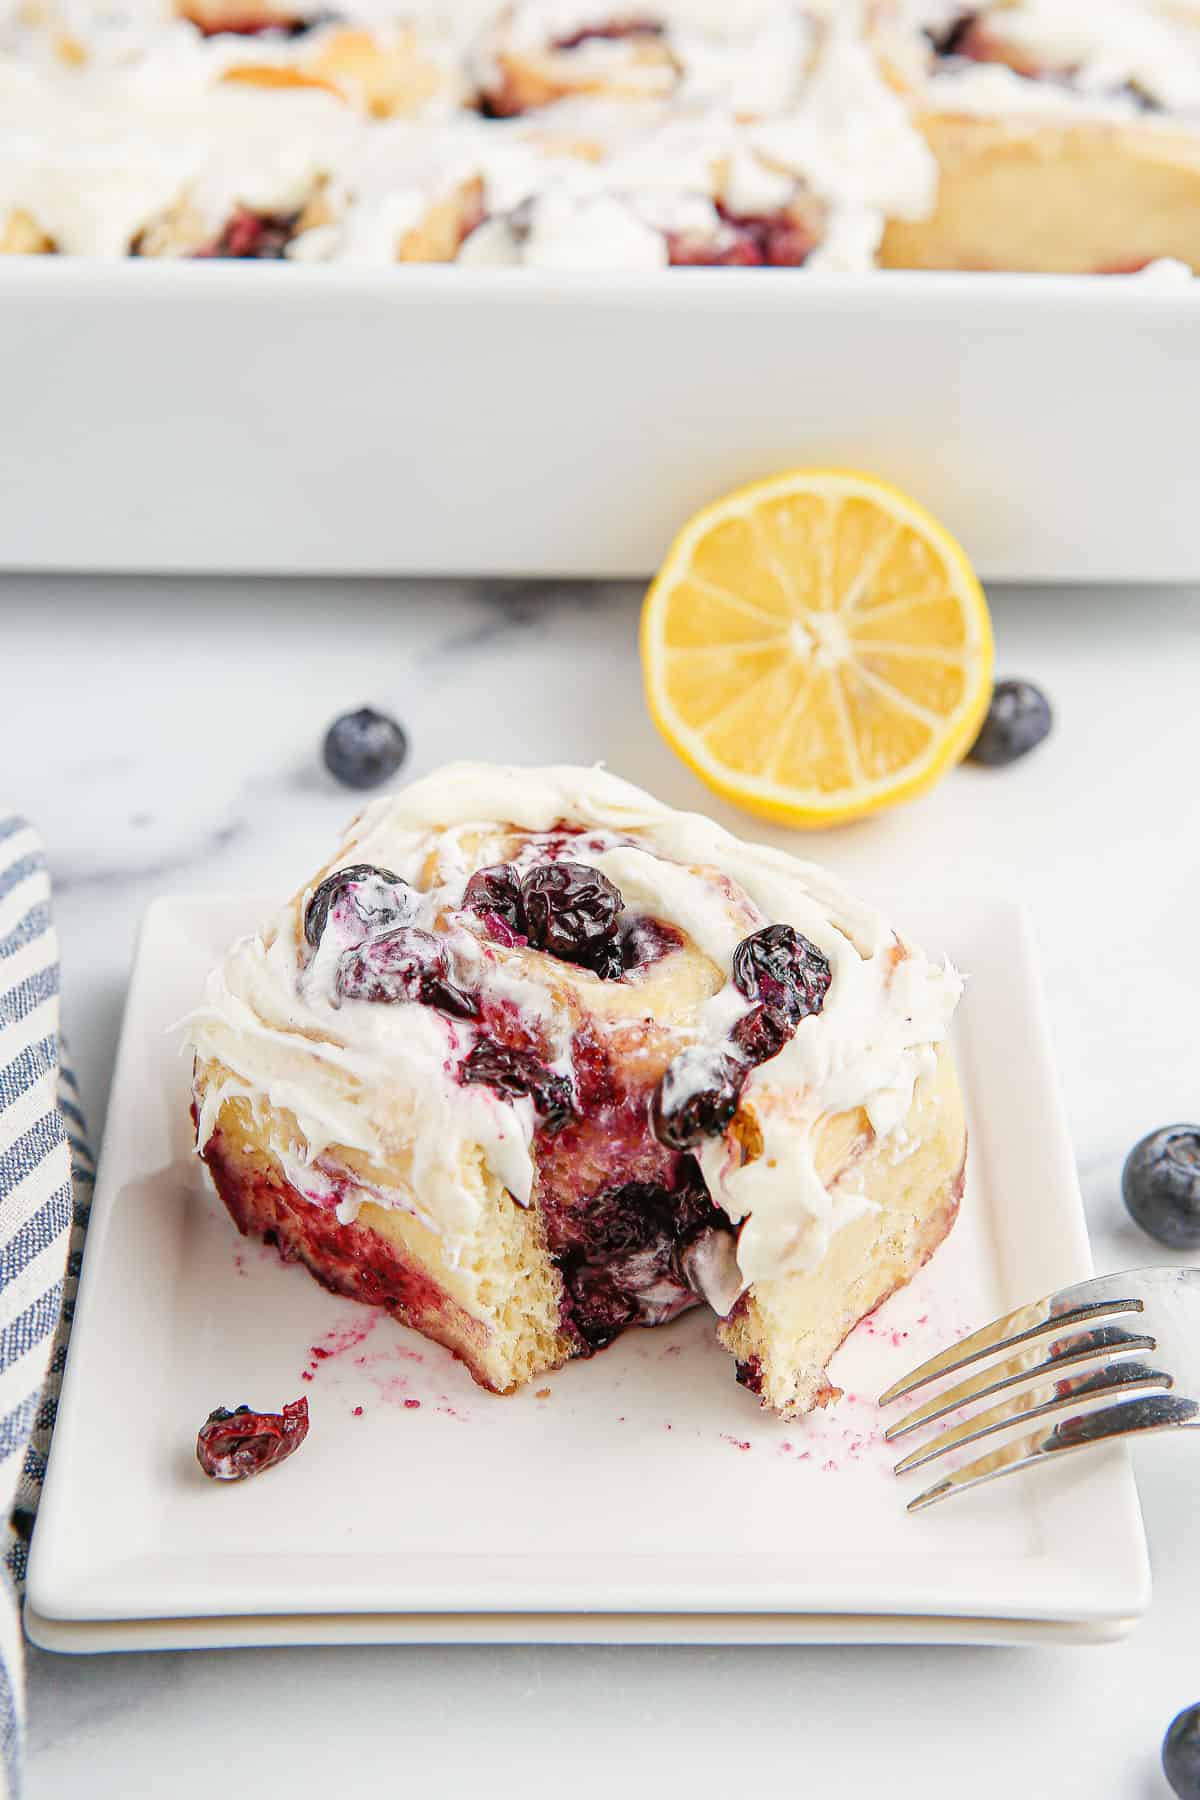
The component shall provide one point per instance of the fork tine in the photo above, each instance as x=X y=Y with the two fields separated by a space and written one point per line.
x=1027 y=1365
x=1055 y=1313
x=1128 y=1418
x=1037 y=1403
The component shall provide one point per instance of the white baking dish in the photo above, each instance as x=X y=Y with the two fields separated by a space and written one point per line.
x=219 y=417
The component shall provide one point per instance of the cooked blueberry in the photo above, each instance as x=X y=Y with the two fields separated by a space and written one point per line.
x=364 y=748
x=607 y=961
x=596 y=1306
x=404 y=965
x=682 y=1114
x=373 y=893
x=623 y=1220
x=761 y=1034
x=644 y=940
x=1017 y=720
x=232 y=1445
x=784 y=970
x=571 y=910
x=1160 y=1184
x=623 y=1253
x=1181 y=1753
x=518 y=1072
x=495 y=894
x=249 y=236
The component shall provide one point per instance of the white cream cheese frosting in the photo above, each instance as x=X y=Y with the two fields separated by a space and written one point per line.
x=1093 y=58
x=361 y=1076
x=118 y=114
x=763 y=107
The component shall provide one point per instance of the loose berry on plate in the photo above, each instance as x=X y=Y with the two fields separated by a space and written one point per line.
x=1017 y=721
x=1160 y=1184
x=517 y=1072
x=572 y=911
x=495 y=894
x=375 y=896
x=364 y=748
x=784 y=970
x=232 y=1445
x=403 y=965
x=1181 y=1753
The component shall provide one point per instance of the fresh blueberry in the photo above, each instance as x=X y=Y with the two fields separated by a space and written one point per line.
x=1160 y=1184
x=1017 y=721
x=1181 y=1753
x=364 y=748
x=372 y=893
x=573 y=911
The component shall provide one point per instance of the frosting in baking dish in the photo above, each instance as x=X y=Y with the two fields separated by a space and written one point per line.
x=752 y=112
x=359 y=1075
x=552 y=133
x=1105 y=48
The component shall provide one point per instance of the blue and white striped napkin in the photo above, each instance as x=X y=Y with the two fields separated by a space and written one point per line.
x=46 y=1176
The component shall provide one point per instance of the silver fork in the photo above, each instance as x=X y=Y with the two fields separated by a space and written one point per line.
x=1132 y=1340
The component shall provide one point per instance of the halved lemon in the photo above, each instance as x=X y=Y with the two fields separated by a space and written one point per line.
x=817 y=647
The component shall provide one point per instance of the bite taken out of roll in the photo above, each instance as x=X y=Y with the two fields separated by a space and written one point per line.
x=533 y=1059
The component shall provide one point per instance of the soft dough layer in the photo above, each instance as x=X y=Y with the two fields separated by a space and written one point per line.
x=499 y=1312
x=534 y=1059
x=1080 y=197
x=784 y=1332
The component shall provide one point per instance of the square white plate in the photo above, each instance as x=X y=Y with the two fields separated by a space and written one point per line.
x=639 y=1494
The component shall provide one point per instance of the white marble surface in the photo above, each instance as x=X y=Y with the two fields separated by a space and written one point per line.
x=180 y=725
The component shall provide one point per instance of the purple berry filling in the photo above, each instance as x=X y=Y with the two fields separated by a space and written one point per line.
x=611 y=33
x=750 y=1374
x=644 y=940
x=517 y=1073
x=404 y=965
x=622 y=1254
x=954 y=39
x=249 y=236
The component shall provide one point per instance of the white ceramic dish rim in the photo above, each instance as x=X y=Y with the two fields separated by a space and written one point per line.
x=230 y=278
x=102 y=1638
x=584 y=415
x=1090 y=1572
